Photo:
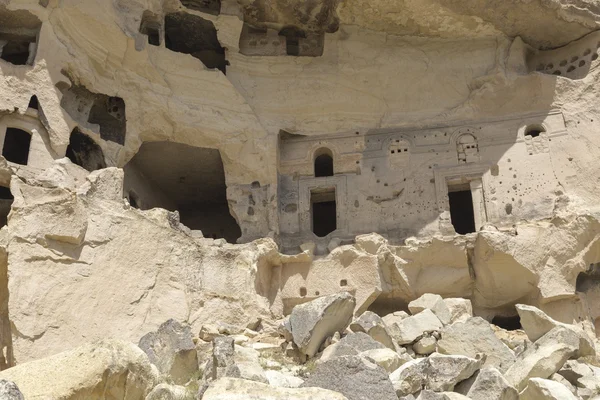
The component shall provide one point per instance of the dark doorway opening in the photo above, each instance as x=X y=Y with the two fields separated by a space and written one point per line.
x=18 y=36
x=83 y=151
x=323 y=211
x=208 y=6
x=511 y=323
x=109 y=114
x=150 y=27
x=534 y=131
x=292 y=39
x=6 y=200
x=194 y=35
x=461 y=209
x=188 y=179
x=16 y=146
x=16 y=52
x=323 y=163
x=33 y=103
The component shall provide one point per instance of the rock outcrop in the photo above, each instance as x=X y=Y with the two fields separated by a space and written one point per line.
x=91 y=371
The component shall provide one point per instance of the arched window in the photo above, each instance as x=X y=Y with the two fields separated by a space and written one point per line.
x=16 y=146
x=323 y=162
x=534 y=130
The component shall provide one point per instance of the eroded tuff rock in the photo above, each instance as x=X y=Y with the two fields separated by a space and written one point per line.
x=90 y=371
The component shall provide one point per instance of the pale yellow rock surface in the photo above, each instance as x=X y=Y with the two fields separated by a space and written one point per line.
x=231 y=389
x=100 y=370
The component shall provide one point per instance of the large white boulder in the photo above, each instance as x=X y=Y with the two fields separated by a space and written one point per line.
x=460 y=309
x=472 y=337
x=349 y=345
x=410 y=329
x=238 y=389
x=444 y=372
x=386 y=358
x=487 y=384
x=545 y=358
x=439 y=373
x=372 y=324
x=536 y=324
x=433 y=302
x=546 y=389
x=313 y=322
x=107 y=369
x=410 y=377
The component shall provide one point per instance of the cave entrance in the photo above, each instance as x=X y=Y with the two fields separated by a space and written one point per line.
x=323 y=210
x=6 y=200
x=19 y=31
x=150 y=27
x=188 y=179
x=292 y=36
x=83 y=151
x=16 y=146
x=461 y=208
x=509 y=323
x=99 y=109
x=194 y=35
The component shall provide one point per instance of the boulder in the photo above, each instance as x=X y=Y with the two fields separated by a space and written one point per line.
x=394 y=318
x=233 y=389
x=285 y=329
x=573 y=370
x=280 y=379
x=425 y=346
x=10 y=391
x=349 y=345
x=96 y=371
x=410 y=377
x=222 y=363
x=172 y=350
x=444 y=372
x=372 y=324
x=473 y=337
x=313 y=322
x=487 y=384
x=536 y=324
x=164 y=391
x=386 y=358
x=433 y=302
x=546 y=389
x=560 y=379
x=460 y=309
x=356 y=377
x=208 y=333
x=439 y=373
x=412 y=328
x=544 y=358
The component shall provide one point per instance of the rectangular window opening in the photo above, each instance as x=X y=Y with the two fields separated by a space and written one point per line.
x=323 y=210
x=461 y=208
